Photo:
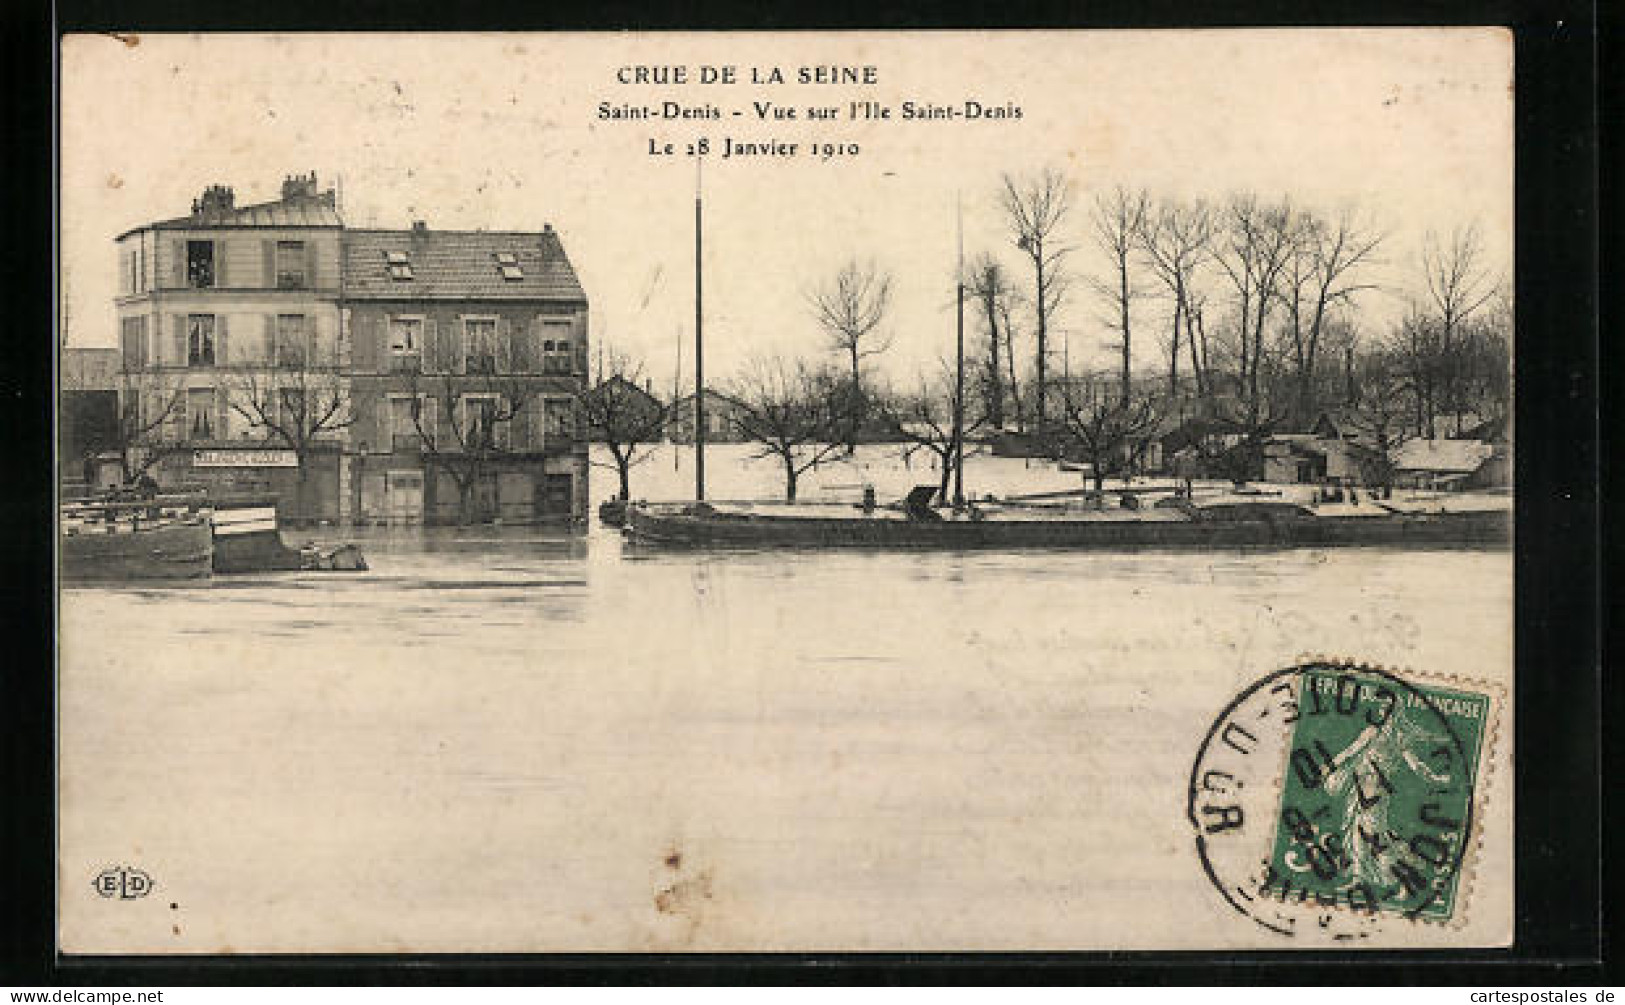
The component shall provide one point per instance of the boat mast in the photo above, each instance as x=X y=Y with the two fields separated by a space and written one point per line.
x=676 y=394
x=959 y=368
x=699 y=347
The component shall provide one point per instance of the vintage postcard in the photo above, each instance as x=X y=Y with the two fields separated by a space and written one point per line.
x=817 y=491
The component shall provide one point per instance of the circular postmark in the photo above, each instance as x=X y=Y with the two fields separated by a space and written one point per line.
x=1331 y=796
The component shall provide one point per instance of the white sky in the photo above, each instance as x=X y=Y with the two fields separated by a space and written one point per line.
x=500 y=132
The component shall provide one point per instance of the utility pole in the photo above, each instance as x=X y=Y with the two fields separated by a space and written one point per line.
x=699 y=344
x=959 y=368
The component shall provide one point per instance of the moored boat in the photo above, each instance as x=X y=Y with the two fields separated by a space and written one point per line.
x=247 y=536
x=1224 y=524
x=124 y=541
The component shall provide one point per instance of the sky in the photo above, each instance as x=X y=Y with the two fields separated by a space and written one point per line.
x=1414 y=127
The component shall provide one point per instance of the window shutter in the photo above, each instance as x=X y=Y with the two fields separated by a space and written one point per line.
x=220 y=263
x=431 y=408
x=269 y=247
x=221 y=353
x=178 y=271
x=222 y=413
x=180 y=340
x=502 y=353
x=431 y=346
x=270 y=339
x=459 y=339
x=386 y=427
x=310 y=265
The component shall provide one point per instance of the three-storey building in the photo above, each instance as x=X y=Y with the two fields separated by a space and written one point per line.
x=469 y=350
x=229 y=341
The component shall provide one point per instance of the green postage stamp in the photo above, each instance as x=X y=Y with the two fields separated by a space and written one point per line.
x=1377 y=780
x=1377 y=801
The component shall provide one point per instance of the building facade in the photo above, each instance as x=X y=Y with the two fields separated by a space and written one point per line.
x=87 y=419
x=721 y=419
x=468 y=353
x=232 y=372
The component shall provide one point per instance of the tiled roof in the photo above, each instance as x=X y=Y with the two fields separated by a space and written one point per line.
x=458 y=264
x=299 y=212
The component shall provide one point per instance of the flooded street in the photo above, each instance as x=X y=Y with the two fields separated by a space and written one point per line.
x=535 y=739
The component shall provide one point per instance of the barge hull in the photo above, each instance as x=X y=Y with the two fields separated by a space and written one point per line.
x=175 y=551
x=1475 y=529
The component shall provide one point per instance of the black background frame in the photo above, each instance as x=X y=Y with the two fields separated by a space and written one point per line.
x=1561 y=459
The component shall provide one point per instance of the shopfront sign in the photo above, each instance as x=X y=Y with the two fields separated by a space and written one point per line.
x=245 y=459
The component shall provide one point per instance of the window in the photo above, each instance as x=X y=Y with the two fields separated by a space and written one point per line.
x=290 y=340
x=403 y=422
x=200 y=264
x=406 y=336
x=290 y=265
x=556 y=354
x=200 y=413
x=480 y=415
x=133 y=342
x=481 y=345
x=508 y=265
x=559 y=418
x=400 y=269
x=200 y=340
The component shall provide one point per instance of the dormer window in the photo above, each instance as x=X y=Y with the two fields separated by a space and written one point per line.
x=508 y=265
x=400 y=268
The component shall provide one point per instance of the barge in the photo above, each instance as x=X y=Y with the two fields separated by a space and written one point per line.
x=1228 y=523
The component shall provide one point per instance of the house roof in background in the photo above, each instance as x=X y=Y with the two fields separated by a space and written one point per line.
x=458 y=265
x=1457 y=456
x=296 y=212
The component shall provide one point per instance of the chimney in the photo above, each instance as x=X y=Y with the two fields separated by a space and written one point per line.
x=299 y=186
x=217 y=200
x=419 y=228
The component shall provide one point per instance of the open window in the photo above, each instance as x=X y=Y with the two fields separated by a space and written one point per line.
x=200 y=340
x=200 y=264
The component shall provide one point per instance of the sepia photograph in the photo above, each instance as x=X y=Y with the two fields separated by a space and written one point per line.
x=669 y=492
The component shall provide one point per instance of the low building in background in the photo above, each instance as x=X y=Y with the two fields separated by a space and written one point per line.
x=721 y=419
x=468 y=351
x=88 y=419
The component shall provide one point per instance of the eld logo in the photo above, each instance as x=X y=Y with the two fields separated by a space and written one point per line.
x=123 y=881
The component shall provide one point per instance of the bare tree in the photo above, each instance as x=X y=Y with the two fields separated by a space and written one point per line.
x=1109 y=433
x=790 y=411
x=924 y=419
x=1117 y=223
x=1255 y=247
x=627 y=419
x=1457 y=285
x=464 y=423
x=1175 y=239
x=1035 y=207
x=1380 y=415
x=850 y=308
x=1322 y=273
x=991 y=288
x=148 y=402
x=301 y=407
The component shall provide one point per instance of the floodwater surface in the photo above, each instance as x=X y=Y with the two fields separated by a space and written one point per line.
x=531 y=739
